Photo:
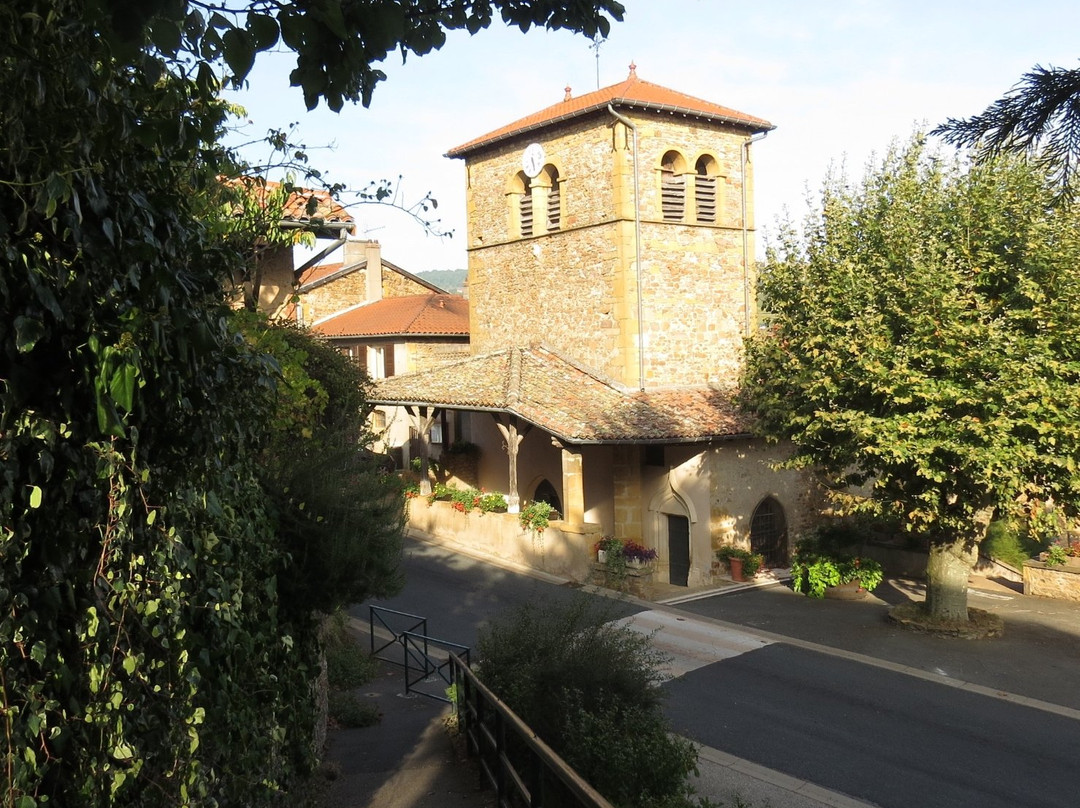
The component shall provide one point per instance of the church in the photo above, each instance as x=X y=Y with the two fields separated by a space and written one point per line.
x=611 y=282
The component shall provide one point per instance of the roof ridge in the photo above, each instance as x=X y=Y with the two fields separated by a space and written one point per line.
x=583 y=368
x=513 y=380
x=658 y=98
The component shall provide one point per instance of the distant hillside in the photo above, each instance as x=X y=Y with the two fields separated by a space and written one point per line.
x=452 y=280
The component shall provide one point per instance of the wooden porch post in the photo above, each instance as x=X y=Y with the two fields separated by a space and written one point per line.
x=423 y=418
x=512 y=437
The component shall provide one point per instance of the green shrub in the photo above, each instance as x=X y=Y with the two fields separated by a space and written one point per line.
x=536 y=516
x=349 y=710
x=590 y=689
x=348 y=665
x=1005 y=542
x=815 y=568
x=751 y=561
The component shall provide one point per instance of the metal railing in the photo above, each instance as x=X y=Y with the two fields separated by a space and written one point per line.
x=423 y=666
x=388 y=619
x=426 y=660
x=523 y=770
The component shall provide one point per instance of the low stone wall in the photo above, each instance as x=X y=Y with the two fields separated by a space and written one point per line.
x=638 y=581
x=560 y=549
x=1061 y=582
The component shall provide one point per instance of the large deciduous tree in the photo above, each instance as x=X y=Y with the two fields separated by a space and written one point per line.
x=149 y=650
x=921 y=347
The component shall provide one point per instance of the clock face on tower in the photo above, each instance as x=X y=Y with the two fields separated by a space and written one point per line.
x=532 y=160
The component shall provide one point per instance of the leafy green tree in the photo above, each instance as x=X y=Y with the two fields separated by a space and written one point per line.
x=922 y=349
x=1039 y=116
x=339 y=514
x=590 y=689
x=147 y=652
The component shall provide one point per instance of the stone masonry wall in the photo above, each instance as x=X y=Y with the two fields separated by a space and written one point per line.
x=342 y=293
x=1059 y=582
x=576 y=289
x=394 y=284
x=350 y=289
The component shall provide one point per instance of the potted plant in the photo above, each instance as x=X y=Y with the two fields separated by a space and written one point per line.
x=742 y=564
x=535 y=516
x=636 y=554
x=815 y=569
x=605 y=545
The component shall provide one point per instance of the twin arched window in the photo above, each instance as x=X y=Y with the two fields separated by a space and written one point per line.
x=674 y=180
x=537 y=202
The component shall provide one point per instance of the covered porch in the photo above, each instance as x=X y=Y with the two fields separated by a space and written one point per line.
x=612 y=461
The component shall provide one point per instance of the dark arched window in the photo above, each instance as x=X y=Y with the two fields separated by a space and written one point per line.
x=768 y=532
x=545 y=492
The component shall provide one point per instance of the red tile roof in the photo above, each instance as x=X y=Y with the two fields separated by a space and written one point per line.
x=322 y=274
x=411 y=315
x=634 y=93
x=322 y=271
x=326 y=209
x=567 y=400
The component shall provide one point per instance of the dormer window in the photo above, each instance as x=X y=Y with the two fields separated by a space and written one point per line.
x=672 y=186
x=706 y=178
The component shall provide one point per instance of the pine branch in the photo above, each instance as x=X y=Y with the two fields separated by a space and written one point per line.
x=1040 y=115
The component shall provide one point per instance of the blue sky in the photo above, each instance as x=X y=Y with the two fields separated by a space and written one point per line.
x=840 y=80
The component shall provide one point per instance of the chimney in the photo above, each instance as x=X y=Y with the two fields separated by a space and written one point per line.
x=373 y=255
x=354 y=251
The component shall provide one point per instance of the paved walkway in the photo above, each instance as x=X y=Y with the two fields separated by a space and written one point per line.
x=410 y=761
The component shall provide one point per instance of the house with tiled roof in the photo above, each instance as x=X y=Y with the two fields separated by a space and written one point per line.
x=611 y=285
x=389 y=321
x=300 y=214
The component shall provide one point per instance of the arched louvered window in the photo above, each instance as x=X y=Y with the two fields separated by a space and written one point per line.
x=525 y=211
x=672 y=187
x=554 y=199
x=705 y=190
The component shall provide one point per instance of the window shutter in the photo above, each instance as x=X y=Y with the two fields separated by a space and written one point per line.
x=388 y=361
x=705 y=197
x=673 y=196
x=526 y=214
x=554 y=207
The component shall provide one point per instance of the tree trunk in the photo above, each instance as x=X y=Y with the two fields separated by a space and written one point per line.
x=947 y=571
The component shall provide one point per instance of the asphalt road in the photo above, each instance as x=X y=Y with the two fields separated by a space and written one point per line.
x=1038 y=657
x=880 y=735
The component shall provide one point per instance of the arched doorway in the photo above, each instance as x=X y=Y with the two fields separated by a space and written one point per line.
x=768 y=533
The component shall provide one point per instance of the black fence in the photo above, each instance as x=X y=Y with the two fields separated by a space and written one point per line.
x=523 y=770
x=426 y=660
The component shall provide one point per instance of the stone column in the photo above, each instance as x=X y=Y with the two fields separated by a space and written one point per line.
x=573 y=486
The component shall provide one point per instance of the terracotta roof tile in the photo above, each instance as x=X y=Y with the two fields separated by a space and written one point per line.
x=569 y=401
x=411 y=315
x=321 y=272
x=327 y=209
x=634 y=93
